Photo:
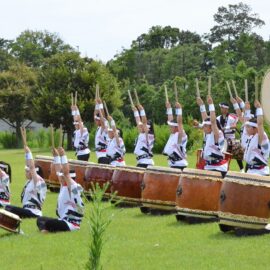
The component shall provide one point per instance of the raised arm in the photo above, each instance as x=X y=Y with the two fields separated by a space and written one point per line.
x=213 y=118
x=169 y=111
x=237 y=109
x=65 y=167
x=30 y=163
x=178 y=112
x=202 y=108
x=259 y=114
x=57 y=165
x=115 y=131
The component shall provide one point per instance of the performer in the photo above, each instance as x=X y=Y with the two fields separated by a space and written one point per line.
x=101 y=137
x=70 y=205
x=34 y=192
x=80 y=135
x=257 y=147
x=228 y=123
x=116 y=148
x=4 y=184
x=175 y=148
x=145 y=141
x=213 y=139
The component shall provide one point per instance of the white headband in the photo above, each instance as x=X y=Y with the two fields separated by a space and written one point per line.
x=28 y=169
x=223 y=106
x=172 y=124
x=3 y=166
x=251 y=124
x=206 y=123
x=97 y=118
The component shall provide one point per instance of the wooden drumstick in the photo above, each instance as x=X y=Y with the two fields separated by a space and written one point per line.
x=106 y=108
x=175 y=91
x=256 y=88
x=72 y=101
x=97 y=91
x=197 y=88
x=52 y=135
x=246 y=90
x=234 y=88
x=23 y=133
x=76 y=94
x=209 y=86
x=60 y=135
x=229 y=89
x=166 y=94
x=130 y=99
x=136 y=97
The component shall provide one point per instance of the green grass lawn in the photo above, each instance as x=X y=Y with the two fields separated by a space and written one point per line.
x=133 y=240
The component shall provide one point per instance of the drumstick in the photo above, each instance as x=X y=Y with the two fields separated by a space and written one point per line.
x=106 y=108
x=75 y=99
x=130 y=99
x=229 y=89
x=166 y=94
x=136 y=97
x=60 y=135
x=97 y=91
x=197 y=88
x=209 y=86
x=246 y=90
x=23 y=136
x=234 y=88
x=52 y=135
x=175 y=91
x=72 y=102
x=256 y=89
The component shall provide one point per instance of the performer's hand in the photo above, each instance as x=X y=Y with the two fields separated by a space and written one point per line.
x=233 y=100
x=27 y=149
x=168 y=105
x=134 y=109
x=238 y=99
x=73 y=107
x=195 y=123
x=109 y=118
x=61 y=151
x=98 y=101
x=199 y=101
x=209 y=99
x=178 y=105
x=247 y=105
x=257 y=104
x=55 y=152
x=140 y=107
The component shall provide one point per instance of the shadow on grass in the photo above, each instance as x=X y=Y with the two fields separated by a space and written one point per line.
x=8 y=235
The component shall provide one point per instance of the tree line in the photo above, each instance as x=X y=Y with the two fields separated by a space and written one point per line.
x=38 y=71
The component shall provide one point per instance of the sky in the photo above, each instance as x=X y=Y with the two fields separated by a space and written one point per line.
x=102 y=28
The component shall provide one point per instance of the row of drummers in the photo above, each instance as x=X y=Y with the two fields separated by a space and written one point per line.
x=219 y=131
x=239 y=202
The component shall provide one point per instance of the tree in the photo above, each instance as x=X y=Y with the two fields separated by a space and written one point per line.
x=32 y=47
x=233 y=21
x=63 y=74
x=16 y=85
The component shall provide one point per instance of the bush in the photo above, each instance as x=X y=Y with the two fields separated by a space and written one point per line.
x=8 y=140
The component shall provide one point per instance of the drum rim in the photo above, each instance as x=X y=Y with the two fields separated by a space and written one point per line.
x=9 y=229
x=10 y=214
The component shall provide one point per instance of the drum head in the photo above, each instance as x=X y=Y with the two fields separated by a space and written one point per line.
x=265 y=96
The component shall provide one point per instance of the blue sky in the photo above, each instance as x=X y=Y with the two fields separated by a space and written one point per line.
x=100 y=28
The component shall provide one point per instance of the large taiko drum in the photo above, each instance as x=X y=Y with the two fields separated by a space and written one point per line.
x=197 y=194
x=158 y=189
x=126 y=182
x=201 y=162
x=9 y=221
x=98 y=174
x=245 y=201
x=44 y=162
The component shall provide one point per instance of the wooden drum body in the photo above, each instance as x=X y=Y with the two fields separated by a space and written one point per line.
x=44 y=162
x=9 y=221
x=159 y=188
x=245 y=201
x=198 y=194
x=79 y=167
x=98 y=174
x=126 y=182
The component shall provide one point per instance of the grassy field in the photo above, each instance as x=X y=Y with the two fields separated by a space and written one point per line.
x=133 y=240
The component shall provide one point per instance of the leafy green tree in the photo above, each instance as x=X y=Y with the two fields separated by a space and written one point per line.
x=16 y=84
x=64 y=73
x=32 y=47
x=231 y=22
